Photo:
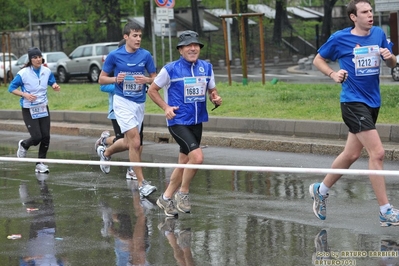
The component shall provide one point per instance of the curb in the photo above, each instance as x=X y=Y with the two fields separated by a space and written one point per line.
x=314 y=137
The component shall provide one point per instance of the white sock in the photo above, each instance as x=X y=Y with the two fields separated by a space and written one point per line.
x=165 y=198
x=384 y=208
x=323 y=189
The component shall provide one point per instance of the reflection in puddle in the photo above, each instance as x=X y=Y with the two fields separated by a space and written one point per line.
x=79 y=216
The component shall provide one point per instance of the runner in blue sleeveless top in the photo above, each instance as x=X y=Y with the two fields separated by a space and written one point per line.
x=187 y=83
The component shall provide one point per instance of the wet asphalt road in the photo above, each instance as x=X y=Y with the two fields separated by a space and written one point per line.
x=76 y=215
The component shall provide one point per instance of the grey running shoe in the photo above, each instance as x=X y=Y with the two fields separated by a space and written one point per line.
x=168 y=206
x=41 y=168
x=146 y=189
x=168 y=225
x=183 y=202
x=101 y=140
x=21 y=152
x=391 y=217
x=184 y=238
x=103 y=158
x=319 y=201
x=130 y=174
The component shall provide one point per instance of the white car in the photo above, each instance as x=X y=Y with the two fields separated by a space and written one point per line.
x=50 y=61
x=5 y=62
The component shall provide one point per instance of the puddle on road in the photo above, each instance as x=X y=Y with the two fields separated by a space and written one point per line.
x=77 y=215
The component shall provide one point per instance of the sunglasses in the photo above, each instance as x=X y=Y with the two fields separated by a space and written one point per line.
x=36 y=56
x=216 y=106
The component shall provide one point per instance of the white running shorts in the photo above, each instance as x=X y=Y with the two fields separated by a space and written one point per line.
x=128 y=114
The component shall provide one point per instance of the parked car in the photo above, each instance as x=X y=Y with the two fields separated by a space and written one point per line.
x=50 y=61
x=6 y=57
x=85 y=61
x=395 y=70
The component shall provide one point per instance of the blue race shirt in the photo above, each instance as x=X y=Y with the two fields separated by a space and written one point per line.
x=340 y=46
x=137 y=63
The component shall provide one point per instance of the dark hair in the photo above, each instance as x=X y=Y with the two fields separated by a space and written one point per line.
x=131 y=26
x=30 y=63
x=352 y=9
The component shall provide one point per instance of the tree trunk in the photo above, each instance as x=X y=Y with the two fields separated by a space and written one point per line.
x=147 y=33
x=196 y=19
x=327 y=20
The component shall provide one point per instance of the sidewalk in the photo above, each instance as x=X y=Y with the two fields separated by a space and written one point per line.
x=296 y=136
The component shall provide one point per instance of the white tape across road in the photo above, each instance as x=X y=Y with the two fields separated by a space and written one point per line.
x=212 y=167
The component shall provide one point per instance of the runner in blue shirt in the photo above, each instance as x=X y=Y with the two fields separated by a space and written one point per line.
x=359 y=50
x=129 y=63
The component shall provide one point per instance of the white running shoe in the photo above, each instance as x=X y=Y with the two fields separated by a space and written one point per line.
x=100 y=153
x=100 y=141
x=41 y=168
x=146 y=189
x=130 y=174
x=21 y=152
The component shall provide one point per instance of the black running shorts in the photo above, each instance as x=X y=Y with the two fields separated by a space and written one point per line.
x=359 y=117
x=188 y=137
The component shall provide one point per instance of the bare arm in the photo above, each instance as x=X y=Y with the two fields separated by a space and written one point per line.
x=214 y=97
x=153 y=93
x=321 y=64
x=390 y=59
x=104 y=78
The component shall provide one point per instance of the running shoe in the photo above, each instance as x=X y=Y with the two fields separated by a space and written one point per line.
x=319 y=201
x=146 y=204
x=183 y=202
x=391 y=217
x=130 y=174
x=21 y=152
x=41 y=168
x=146 y=189
x=168 y=206
x=168 y=226
x=103 y=158
x=101 y=140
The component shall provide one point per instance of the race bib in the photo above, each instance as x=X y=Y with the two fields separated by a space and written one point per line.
x=367 y=60
x=194 y=90
x=38 y=111
x=131 y=88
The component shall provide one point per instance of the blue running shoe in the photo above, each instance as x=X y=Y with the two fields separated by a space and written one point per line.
x=319 y=201
x=391 y=217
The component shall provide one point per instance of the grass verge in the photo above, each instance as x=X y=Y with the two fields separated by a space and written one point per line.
x=279 y=101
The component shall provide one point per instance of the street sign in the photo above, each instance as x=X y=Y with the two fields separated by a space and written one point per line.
x=386 y=5
x=164 y=15
x=170 y=3
x=161 y=3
